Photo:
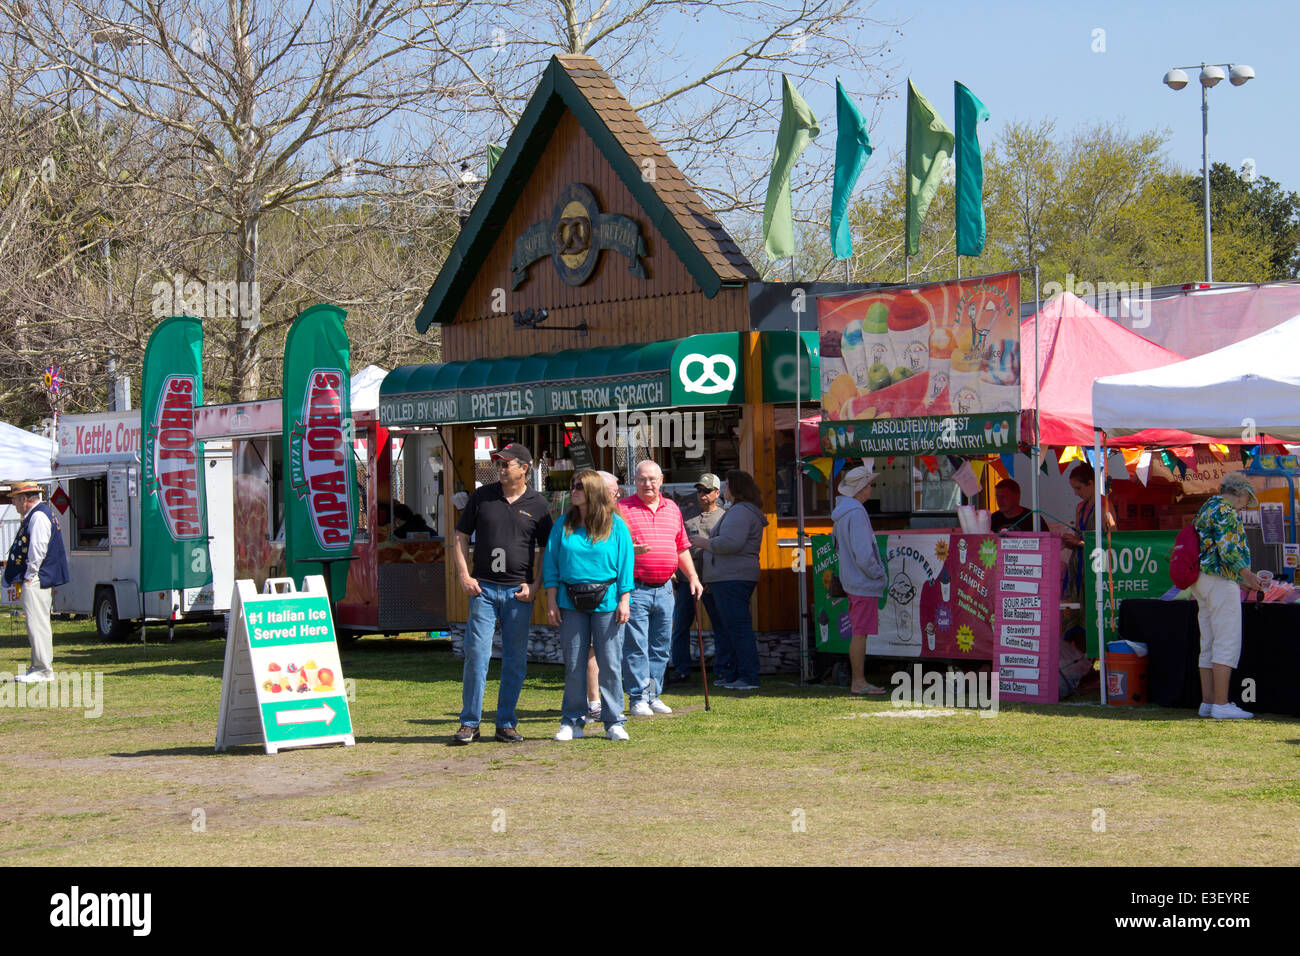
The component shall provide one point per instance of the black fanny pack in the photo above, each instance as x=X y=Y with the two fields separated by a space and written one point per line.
x=587 y=595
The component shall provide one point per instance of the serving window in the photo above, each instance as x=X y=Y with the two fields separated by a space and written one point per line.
x=88 y=513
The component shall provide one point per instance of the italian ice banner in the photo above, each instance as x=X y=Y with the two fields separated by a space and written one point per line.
x=173 y=498
x=320 y=499
x=958 y=597
x=923 y=370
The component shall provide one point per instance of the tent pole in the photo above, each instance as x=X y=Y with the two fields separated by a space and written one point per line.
x=1038 y=438
x=1099 y=481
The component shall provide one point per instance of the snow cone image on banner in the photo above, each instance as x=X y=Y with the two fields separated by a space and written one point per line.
x=173 y=503
x=320 y=494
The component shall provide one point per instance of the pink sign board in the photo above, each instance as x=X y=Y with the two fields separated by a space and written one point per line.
x=1027 y=617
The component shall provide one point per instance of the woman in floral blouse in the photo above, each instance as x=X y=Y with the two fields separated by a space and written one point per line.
x=1225 y=564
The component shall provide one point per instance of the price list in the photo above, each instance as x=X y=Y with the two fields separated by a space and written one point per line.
x=1027 y=622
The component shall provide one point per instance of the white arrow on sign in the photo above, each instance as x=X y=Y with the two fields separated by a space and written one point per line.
x=307 y=715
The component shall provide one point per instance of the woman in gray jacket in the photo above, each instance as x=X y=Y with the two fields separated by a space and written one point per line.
x=731 y=574
x=862 y=573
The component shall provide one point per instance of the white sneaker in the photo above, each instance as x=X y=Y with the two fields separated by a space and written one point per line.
x=617 y=732
x=641 y=709
x=568 y=732
x=33 y=677
x=1205 y=710
x=659 y=707
x=1230 y=712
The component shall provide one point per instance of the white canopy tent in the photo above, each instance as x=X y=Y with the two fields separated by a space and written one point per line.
x=24 y=456
x=1252 y=384
x=1249 y=388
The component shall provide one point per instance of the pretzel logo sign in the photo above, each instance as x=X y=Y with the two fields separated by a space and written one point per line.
x=709 y=381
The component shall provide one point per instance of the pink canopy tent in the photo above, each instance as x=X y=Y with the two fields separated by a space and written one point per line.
x=1077 y=344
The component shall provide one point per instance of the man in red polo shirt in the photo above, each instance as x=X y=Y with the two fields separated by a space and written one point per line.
x=661 y=548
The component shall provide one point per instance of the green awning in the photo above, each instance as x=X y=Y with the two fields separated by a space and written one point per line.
x=779 y=366
x=695 y=370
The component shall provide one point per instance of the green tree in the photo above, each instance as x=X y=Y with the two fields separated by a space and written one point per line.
x=1263 y=208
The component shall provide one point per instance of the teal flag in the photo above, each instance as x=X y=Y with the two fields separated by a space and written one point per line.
x=173 y=496
x=320 y=498
x=852 y=149
x=969 y=111
x=929 y=144
x=798 y=129
x=494 y=155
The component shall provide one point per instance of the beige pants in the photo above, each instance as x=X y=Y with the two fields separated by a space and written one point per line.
x=1220 y=619
x=36 y=602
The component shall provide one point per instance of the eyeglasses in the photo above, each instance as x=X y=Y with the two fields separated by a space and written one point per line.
x=576 y=486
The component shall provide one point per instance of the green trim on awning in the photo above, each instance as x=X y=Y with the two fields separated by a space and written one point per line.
x=698 y=370
x=777 y=358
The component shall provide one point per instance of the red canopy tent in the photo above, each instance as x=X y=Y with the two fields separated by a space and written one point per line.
x=1077 y=344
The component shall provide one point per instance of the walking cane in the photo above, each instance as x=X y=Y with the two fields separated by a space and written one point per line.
x=704 y=671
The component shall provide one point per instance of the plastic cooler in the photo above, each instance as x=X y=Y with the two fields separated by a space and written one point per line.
x=1126 y=679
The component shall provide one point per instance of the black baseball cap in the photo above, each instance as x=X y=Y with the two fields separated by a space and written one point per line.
x=514 y=451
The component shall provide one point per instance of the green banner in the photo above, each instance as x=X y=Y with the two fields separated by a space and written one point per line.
x=320 y=498
x=173 y=497
x=953 y=435
x=1136 y=566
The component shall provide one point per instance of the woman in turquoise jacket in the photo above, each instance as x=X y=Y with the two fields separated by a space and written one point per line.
x=591 y=546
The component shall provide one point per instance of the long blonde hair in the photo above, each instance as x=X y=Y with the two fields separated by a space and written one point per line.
x=600 y=507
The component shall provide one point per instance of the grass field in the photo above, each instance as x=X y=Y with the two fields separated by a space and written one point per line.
x=789 y=775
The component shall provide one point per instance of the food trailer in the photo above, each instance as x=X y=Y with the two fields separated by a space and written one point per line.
x=396 y=575
x=96 y=497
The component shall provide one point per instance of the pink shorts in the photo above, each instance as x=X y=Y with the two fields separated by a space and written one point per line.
x=864 y=614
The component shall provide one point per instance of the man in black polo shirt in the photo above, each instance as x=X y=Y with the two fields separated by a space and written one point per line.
x=510 y=522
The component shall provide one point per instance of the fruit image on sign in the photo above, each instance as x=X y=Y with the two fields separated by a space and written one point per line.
x=318 y=457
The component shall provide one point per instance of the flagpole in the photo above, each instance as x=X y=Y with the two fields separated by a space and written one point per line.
x=801 y=579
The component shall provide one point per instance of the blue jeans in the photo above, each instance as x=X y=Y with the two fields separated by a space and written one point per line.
x=579 y=631
x=496 y=605
x=683 y=624
x=731 y=598
x=724 y=664
x=646 y=642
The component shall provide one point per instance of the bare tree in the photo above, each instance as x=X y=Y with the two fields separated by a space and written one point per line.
x=267 y=112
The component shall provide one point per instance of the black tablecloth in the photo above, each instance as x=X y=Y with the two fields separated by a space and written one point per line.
x=1270 y=653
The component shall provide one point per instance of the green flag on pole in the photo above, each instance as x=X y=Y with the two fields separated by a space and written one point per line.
x=494 y=154
x=173 y=496
x=968 y=111
x=852 y=149
x=320 y=496
x=798 y=129
x=929 y=144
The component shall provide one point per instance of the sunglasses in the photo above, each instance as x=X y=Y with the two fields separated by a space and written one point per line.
x=576 y=486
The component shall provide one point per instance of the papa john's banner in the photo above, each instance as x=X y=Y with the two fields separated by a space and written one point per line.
x=923 y=370
x=173 y=497
x=320 y=501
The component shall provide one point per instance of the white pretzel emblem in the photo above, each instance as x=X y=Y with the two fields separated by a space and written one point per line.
x=709 y=382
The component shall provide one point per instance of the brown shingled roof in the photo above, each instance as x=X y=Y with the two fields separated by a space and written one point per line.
x=683 y=202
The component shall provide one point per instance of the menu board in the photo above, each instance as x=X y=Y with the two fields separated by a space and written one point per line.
x=119 y=509
x=1027 y=619
x=944 y=596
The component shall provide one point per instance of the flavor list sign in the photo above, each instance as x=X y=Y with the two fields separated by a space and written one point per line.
x=1027 y=619
x=173 y=508
x=939 y=363
x=282 y=663
x=1136 y=566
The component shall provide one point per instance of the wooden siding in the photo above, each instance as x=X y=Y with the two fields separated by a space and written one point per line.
x=619 y=307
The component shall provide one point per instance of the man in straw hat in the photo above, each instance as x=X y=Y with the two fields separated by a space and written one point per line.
x=38 y=563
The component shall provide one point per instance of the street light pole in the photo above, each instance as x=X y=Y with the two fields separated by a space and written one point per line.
x=1211 y=74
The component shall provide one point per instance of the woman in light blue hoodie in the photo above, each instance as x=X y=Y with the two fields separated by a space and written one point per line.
x=591 y=546
x=862 y=573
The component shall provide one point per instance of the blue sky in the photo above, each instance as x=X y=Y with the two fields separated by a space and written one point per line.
x=1033 y=60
